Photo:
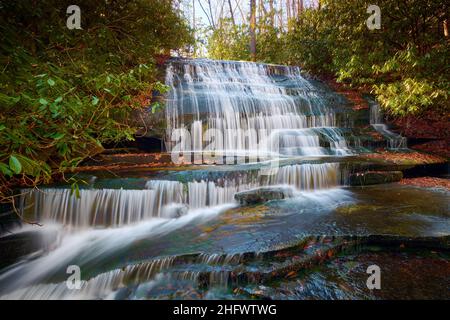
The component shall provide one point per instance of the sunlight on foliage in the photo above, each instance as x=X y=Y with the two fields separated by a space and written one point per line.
x=67 y=92
x=405 y=63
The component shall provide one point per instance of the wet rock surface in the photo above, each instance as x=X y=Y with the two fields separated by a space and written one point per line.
x=420 y=274
x=374 y=177
x=261 y=195
x=296 y=248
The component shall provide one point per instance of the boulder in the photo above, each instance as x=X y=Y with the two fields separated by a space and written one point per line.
x=263 y=194
x=374 y=177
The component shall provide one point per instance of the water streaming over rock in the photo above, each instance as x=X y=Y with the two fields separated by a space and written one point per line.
x=394 y=140
x=163 y=198
x=93 y=207
x=247 y=103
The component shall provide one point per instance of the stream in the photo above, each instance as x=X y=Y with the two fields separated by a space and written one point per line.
x=181 y=233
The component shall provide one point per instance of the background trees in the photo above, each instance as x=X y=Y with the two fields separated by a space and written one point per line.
x=405 y=63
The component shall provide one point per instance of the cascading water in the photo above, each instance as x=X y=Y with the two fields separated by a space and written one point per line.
x=243 y=101
x=394 y=141
x=163 y=198
x=246 y=102
x=105 y=207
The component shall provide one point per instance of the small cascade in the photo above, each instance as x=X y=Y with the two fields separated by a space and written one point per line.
x=168 y=191
x=200 y=270
x=101 y=207
x=308 y=176
x=99 y=286
x=163 y=198
x=208 y=193
x=247 y=102
x=394 y=141
x=311 y=142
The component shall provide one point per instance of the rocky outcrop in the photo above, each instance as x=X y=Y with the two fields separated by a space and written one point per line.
x=264 y=194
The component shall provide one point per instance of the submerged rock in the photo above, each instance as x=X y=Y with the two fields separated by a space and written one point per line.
x=263 y=194
x=374 y=177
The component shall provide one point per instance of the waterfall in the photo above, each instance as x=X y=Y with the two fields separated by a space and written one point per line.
x=163 y=198
x=246 y=102
x=394 y=141
x=251 y=105
x=308 y=176
x=103 y=207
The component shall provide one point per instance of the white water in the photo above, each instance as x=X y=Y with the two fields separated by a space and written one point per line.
x=31 y=278
x=394 y=141
x=242 y=100
x=91 y=246
x=163 y=198
x=103 y=223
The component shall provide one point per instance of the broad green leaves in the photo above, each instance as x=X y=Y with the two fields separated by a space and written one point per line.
x=57 y=135
x=4 y=169
x=15 y=165
x=65 y=94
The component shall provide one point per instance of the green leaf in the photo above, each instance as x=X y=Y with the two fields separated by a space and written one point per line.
x=5 y=169
x=59 y=99
x=63 y=148
x=43 y=101
x=57 y=135
x=75 y=188
x=15 y=99
x=77 y=191
x=14 y=164
x=50 y=82
x=94 y=100
x=2 y=127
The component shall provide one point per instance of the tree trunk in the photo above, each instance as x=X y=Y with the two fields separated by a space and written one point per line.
x=293 y=9
x=241 y=11
x=280 y=18
x=272 y=13
x=299 y=8
x=231 y=12
x=210 y=18
x=211 y=13
x=445 y=24
x=252 y=29
x=288 y=11
x=193 y=25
